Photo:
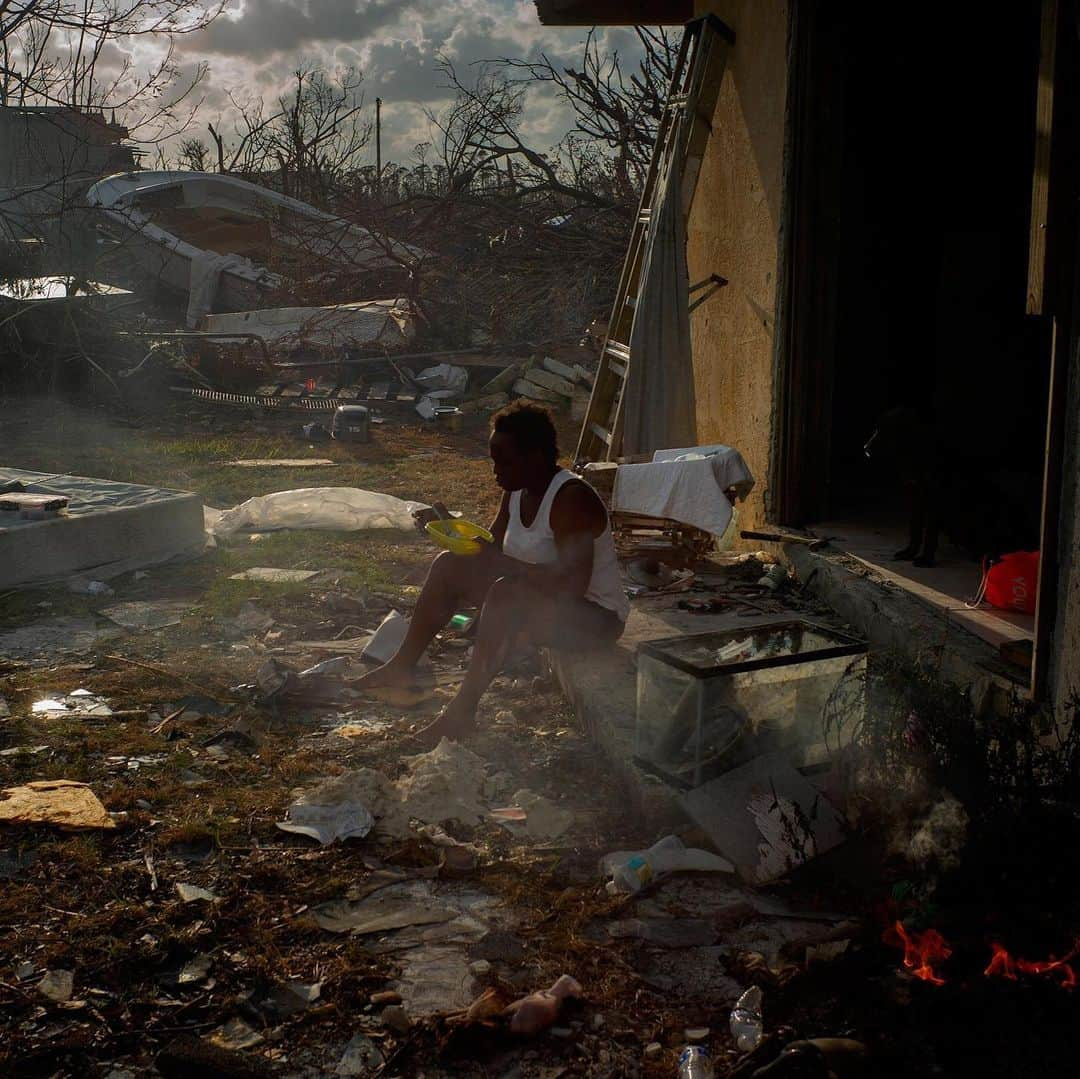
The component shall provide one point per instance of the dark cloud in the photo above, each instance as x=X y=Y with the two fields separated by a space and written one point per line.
x=396 y=43
x=273 y=26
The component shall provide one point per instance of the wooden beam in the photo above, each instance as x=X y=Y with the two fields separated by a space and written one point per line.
x=1040 y=182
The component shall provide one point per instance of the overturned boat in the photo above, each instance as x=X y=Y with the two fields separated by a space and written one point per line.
x=220 y=243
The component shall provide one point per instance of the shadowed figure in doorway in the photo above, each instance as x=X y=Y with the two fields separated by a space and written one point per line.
x=550 y=578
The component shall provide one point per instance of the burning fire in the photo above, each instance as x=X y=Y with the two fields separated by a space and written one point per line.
x=920 y=951
x=923 y=950
x=1003 y=965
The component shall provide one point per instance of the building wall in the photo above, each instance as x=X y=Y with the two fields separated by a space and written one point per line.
x=733 y=231
x=1065 y=655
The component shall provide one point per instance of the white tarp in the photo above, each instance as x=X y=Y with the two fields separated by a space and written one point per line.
x=343 y=509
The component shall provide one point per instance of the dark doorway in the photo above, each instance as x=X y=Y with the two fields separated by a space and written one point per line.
x=910 y=215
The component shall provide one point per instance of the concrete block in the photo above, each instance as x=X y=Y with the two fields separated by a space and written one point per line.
x=524 y=388
x=550 y=382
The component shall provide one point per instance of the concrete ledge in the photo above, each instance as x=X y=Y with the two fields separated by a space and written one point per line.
x=602 y=687
x=891 y=618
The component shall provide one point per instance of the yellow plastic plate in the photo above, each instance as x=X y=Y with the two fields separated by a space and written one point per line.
x=458 y=536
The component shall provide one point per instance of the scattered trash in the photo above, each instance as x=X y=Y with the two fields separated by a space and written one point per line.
x=273 y=678
x=144 y=616
x=435 y=979
x=315 y=432
x=377 y=914
x=41 y=641
x=533 y=815
x=746 y=1023
x=397 y=1019
x=632 y=870
x=653 y=1051
x=79 y=703
x=61 y=802
x=344 y=509
x=696 y=1034
x=818 y=1056
x=695 y=1063
x=57 y=985
x=190 y=893
x=293 y=997
x=23 y=751
x=387 y=640
x=281 y=462
x=774 y=578
x=444 y=784
x=327 y=820
x=335 y=665
x=81 y=586
x=361 y=1057
x=251 y=618
x=274 y=576
x=539 y=1010
x=195 y=970
x=236 y=1034
x=766 y=816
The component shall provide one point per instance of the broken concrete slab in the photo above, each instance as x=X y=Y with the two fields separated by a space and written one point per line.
x=526 y=388
x=539 y=377
x=40 y=642
x=60 y=802
x=145 y=616
x=275 y=576
x=766 y=817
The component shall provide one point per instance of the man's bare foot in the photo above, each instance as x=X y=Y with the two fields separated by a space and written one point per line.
x=457 y=720
x=389 y=674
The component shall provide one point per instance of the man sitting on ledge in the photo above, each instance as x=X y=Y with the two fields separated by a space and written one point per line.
x=550 y=578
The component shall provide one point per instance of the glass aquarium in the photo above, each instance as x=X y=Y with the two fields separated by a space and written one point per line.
x=711 y=701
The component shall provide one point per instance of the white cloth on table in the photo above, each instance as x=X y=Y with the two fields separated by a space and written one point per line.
x=690 y=491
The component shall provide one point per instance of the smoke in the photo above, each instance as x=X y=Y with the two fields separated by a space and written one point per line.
x=938 y=838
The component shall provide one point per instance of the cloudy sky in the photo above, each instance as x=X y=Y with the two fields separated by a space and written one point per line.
x=257 y=43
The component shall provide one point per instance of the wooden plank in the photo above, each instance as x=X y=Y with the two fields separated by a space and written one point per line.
x=1040 y=182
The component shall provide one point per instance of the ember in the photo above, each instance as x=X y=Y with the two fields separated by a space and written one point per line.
x=920 y=950
x=1003 y=965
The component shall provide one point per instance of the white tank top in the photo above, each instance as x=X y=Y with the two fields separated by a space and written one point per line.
x=536 y=545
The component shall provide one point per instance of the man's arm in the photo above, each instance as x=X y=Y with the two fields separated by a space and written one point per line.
x=502 y=519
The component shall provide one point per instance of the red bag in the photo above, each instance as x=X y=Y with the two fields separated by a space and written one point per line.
x=1013 y=583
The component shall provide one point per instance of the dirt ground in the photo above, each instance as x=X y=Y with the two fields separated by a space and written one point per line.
x=245 y=977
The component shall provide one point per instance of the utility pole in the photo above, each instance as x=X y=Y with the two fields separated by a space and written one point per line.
x=378 y=147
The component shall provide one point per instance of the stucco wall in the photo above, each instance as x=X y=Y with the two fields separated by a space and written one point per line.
x=733 y=230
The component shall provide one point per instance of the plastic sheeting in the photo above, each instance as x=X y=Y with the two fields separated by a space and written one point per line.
x=659 y=399
x=340 y=509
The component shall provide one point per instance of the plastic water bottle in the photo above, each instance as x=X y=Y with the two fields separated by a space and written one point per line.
x=746 y=1025
x=694 y=1063
x=632 y=870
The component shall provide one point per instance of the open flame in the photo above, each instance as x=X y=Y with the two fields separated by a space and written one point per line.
x=921 y=950
x=1004 y=965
